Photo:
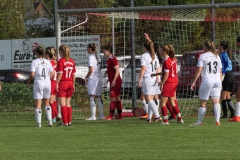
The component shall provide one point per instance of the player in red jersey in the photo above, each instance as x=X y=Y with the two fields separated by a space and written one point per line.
x=52 y=56
x=115 y=82
x=169 y=83
x=65 y=84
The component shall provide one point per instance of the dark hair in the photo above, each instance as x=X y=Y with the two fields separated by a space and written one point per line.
x=51 y=51
x=93 y=47
x=238 y=39
x=156 y=49
x=150 y=48
x=225 y=46
x=108 y=47
x=66 y=51
x=169 y=49
x=40 y=50
x=210 y=46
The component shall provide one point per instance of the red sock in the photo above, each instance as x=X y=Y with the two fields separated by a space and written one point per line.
x=69 y=109
x=64 y=112
x=56 y=108
x=170 y=108
x=176 y=110
x=53 y=112
x=112 y=108
x=119 y=108
x=164 y=111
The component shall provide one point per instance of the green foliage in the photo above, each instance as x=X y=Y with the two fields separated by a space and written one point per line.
x=11 y=21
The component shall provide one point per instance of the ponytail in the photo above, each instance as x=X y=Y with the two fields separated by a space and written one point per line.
x=210 y=46
x=226 y=46
x=40 y=50
x=169 y=49
x=150 y=49
x=66 y=51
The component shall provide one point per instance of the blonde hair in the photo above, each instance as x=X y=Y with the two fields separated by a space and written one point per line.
x=51 y=51
x=210 y=46
x=66 y=51
x=169 y=49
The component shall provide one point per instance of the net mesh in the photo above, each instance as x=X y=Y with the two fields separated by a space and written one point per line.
x=185 y=29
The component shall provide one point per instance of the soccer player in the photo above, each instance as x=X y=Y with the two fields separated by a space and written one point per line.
x=236 y=118
x=210 y=67
x=65 y=84
x=227 y=83
x=41 y=71
x=169 y=83
x=149 y=65
x=115 y=82
x=93 y=80
x=52 y=56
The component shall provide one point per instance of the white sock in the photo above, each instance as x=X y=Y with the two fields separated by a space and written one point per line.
x=154 y=108
x=48 y=111
x=100 y=106
x=217 y=110
x=59 y=111
x=150 y=113
x=145 y=106
x=201 y=114
x=92 y=107
x=38 y=115
x=237 y=109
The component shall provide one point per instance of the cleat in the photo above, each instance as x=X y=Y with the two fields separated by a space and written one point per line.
x=144 y=117
x=149 y=120
x=224 y=117
x=50 y=123
x=90 y=119
x=171 y=119
x=109 y=118
x=58 y=118
x=62 y=124
x=153 y=117
x=235 y=119
x=217 y=123
x=180 y=121
x=196 y=124
x=101 y=118
x=54 y=120
x=69 y=124
x=39 y=125
x=157 y=119
x=165 y=122
x=231 y=116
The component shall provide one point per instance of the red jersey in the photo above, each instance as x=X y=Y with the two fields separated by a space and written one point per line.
x=67 y=68
x=112 y=62
x=54 y=66
x=170 y=65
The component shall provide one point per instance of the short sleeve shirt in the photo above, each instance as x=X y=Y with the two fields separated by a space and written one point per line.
x=94 y=62
x=112 y=63
x=67 y=68
x=151 y=65
x=170 y=65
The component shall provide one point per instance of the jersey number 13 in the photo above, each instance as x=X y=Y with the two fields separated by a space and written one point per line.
x=212 y=67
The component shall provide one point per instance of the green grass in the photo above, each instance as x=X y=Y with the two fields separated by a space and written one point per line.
x=130 y=138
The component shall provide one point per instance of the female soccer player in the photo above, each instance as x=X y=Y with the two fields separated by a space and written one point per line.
x=93 y=80
x=149 y=65
x=52 y=56
x=169 y=83
x=41 y=71
x=210 y=67
x=227 y=84
x=65 y=84
x=115 y=82
x=236 y=118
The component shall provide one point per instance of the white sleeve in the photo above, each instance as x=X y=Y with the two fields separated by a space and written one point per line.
x=90 y=62
x=200 y=62
x=143 y=61
x=33 y=68
x=50 y=68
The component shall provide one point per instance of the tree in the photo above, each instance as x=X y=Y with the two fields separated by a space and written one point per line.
x=11 y=21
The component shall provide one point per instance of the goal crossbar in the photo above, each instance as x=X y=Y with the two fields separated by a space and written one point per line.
x=148 y=8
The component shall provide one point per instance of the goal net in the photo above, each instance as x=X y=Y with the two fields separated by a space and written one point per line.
x=185 y=29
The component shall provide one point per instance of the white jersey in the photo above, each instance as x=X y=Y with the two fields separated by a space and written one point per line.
x=42 y=68
x=211 y=66
x=151 y=65
x=96 y=64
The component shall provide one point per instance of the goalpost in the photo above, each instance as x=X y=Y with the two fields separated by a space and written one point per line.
x=185 y=26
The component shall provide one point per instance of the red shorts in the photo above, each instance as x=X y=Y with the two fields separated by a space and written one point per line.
x=65 y=89
x=169 y=89
x=116 y=90
x=53 y=87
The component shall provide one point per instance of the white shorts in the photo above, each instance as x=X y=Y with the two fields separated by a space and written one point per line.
x=42 y=89
x=158 y=91
x=94 y=87
x=149 y=86
x=207 y=89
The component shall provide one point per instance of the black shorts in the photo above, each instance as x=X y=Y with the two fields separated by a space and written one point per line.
x=227 y=83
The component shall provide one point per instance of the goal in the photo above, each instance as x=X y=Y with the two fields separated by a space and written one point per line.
x=186 y=29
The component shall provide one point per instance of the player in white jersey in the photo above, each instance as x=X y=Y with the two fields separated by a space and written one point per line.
x=149 y=65
x=210 y=67
x=93 y=80
x=41 y=71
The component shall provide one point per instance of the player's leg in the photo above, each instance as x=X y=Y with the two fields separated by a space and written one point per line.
x=224 y=96
x=164 y=110
x=144 y=106
x=230 y=105
x=98 y=99
x=38 y=96
x=174 y=104
x=53 y=102
x=62 y=93
x=113 y=98
x=69 y=93
x=46 y=96
x=118 y=99
x=236 y=118
x=92 y=87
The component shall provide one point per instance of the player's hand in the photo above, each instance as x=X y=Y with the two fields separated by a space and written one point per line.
x=29 y=82
x=157 y=79
x=192 y=86
x=113 y=83
x=147 y=37
x=161 y=87
x=57 y=87
x=139 y=84
x=152 y=75
x=86 y=81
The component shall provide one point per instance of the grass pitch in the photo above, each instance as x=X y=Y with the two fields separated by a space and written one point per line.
x=130 y=138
